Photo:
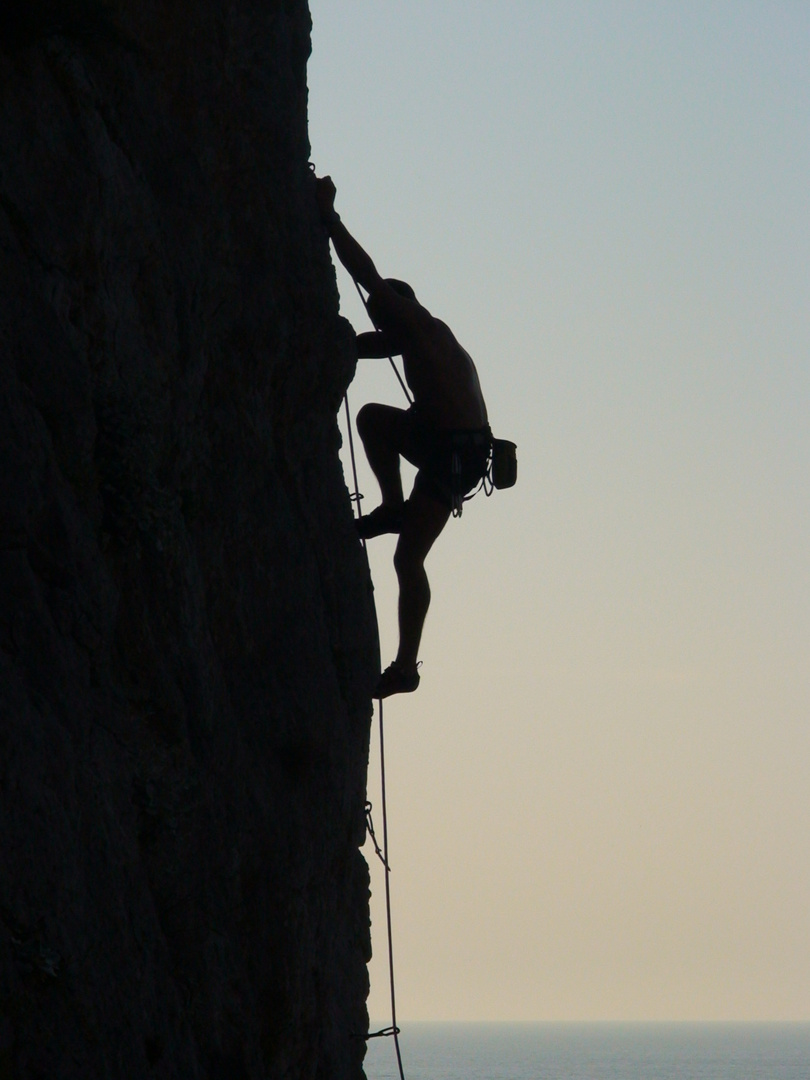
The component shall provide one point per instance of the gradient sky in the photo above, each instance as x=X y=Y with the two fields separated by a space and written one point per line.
x=599 y=798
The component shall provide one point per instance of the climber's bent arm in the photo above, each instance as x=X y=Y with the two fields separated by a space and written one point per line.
x=375 y=345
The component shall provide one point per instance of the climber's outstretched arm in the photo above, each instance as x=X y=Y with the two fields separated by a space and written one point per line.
x=357 y=261
x=353 y=257
x=408 y=315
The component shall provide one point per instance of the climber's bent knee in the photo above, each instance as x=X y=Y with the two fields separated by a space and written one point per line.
x=375 y=420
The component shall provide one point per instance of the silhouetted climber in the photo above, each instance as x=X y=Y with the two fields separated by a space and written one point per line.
x=445 y=434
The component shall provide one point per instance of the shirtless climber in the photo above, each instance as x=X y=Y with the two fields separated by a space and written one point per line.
x=445 y=434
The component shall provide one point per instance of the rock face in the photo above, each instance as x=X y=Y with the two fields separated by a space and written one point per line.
x=187 y=636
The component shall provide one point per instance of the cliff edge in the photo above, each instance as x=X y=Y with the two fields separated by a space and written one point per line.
x=187 y=635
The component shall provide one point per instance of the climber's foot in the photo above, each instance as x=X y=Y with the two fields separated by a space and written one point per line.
x=385 y=519
x=396 y=680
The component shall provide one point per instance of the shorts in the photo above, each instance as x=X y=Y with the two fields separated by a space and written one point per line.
x=450 y=463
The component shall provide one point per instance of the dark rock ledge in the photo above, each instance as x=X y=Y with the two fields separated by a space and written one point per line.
x=187 y=634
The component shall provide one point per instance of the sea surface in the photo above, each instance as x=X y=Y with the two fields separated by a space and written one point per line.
x=594 y=1052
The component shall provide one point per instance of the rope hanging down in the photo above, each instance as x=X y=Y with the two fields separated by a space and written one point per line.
x=356 y=498
x=382 y=853
x=393 y=1030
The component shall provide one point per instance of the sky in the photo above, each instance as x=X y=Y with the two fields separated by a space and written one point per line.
x=599 y=797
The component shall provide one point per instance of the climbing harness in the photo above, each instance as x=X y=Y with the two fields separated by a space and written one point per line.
x=501 y=472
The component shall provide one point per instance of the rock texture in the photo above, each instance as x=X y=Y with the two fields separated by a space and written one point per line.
x=187 y=636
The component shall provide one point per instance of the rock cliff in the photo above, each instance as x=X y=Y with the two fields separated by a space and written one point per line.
x=187 y=634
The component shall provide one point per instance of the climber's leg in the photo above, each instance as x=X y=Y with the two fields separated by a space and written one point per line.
x=382 y=429
x=424 y=519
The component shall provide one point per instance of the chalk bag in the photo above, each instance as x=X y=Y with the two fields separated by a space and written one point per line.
x=504 y=463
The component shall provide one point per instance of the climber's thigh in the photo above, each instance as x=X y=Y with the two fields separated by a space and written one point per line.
x=383 y=425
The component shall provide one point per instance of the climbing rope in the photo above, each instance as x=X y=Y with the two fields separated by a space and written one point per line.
x=381 y=852
x=356 y=498
x=393 y=1030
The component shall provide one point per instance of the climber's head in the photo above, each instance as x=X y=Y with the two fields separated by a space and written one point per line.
x=377 y=311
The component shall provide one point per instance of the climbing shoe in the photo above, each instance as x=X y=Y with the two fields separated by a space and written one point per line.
x=385 y=519
x=395 y=680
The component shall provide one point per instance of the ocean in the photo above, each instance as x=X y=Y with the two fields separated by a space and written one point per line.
x=437 y=1051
